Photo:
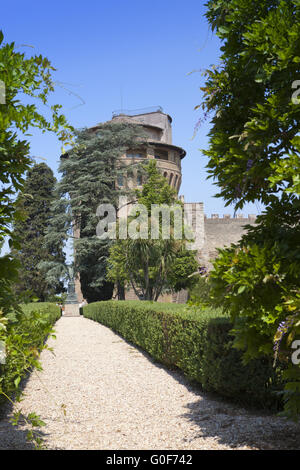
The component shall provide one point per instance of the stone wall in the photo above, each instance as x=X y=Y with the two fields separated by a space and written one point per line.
x=220 y=232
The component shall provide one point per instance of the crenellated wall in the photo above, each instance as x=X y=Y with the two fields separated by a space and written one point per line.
x=222 y=231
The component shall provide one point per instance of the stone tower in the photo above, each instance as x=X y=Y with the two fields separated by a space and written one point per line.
x=209 y=233
x=158 y=129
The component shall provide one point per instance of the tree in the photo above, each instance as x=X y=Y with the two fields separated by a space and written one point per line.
x=90 y=172
x=21 y=80
x=254 y=147
x=152 y=266
x=31 y=77
x=254 y=155
x=35 y=203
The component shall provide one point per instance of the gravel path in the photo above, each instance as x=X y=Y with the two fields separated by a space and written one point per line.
x=116 y=397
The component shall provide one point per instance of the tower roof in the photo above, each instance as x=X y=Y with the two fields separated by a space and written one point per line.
x=137 y=112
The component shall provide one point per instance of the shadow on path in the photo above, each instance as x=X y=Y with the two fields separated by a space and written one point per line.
x=237 y=427
x=210 y=417
x=231 y=424
x=12 y=437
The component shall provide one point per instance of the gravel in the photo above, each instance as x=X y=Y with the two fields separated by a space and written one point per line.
x=117 y=397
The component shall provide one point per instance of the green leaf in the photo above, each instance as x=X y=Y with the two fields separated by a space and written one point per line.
x=17 y=381
x=241 y=289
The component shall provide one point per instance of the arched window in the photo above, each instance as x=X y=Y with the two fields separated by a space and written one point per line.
x=171 y=179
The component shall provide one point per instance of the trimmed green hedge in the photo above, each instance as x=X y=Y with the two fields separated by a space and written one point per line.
x=52 y=311
x=196 y=341
x=26 y=334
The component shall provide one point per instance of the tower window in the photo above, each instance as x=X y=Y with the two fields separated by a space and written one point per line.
x=161 y=155
x=120 y=181
x=135 y=155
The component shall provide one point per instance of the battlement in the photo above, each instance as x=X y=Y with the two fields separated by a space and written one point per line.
x=222 y=231
x=228 y=217
x=137 y=112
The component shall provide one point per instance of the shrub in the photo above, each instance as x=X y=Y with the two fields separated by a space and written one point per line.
x=200 y=293
x=24 y=337
x=195 y=340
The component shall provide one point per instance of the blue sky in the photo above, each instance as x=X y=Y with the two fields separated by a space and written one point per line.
x=124 y=53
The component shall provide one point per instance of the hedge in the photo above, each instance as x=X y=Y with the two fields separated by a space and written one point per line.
x=51 y=310
x=198 y=342
x=26 y=334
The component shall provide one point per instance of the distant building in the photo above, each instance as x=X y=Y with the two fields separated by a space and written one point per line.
x=158 y=129
x=210 y=233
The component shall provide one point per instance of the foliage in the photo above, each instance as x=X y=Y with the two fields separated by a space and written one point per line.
x=25 y=79
x=257 y=281
x=8 y=275
x=152 y=266
x=254 y=147
x=254 y=155
x=31 y=77
x=27 y=83
x=23 y=336
x=195 y=340
x=183 y=271
x=90 y=173
x=34 y=202
x=200 y=293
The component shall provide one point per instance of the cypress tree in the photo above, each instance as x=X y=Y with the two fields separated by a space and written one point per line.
x=35 y=202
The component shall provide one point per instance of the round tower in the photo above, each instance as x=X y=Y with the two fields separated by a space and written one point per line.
x=158 y=128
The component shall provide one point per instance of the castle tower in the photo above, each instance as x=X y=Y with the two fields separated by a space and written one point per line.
x=209 y=233
x=158 y=129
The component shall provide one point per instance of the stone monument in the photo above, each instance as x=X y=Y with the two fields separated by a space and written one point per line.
x=71 y=303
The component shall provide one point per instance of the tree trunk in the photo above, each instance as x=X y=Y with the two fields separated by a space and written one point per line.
x=120 y=291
